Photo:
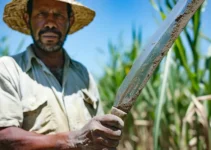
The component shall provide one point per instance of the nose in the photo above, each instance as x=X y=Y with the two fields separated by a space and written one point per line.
x=50 y=22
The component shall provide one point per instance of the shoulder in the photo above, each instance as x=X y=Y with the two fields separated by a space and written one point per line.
x=81 y=71
x=21 y=59
x=86 y=74
x=9 y=68
x=7 y=61
x=14 y=62
x=79 y=67
x=18 y=57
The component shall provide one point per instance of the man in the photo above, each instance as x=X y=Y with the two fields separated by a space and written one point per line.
x=47 y=100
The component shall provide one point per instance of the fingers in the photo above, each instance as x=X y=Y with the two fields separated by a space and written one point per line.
x=104 y=141
x=109 y=126
x=111 y=120
x=102 y=132
x=107 y=132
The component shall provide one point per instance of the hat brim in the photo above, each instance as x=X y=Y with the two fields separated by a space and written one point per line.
x=14 y=16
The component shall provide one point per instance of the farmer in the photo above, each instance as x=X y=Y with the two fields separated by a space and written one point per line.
x=48 y=100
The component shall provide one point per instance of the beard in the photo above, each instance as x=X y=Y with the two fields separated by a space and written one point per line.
x=39 y=44
x=45 y=48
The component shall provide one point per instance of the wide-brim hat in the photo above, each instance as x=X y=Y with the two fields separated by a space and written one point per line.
x=14 y=15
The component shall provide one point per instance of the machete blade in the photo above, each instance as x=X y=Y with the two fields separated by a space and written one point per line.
x=153 y=53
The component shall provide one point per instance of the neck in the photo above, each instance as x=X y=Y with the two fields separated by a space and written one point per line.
x=50 y=59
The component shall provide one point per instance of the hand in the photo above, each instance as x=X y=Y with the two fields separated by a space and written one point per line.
x=100 y=133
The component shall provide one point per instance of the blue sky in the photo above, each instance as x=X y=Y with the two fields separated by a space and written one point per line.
x=113 y=18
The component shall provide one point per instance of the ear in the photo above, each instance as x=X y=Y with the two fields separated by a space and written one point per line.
x=26 y=19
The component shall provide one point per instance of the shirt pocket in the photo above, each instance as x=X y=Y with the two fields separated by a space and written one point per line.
x=37 y=115
x=91 y=102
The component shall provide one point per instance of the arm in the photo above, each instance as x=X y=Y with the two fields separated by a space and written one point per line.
x=11 y=115
x=102 y=132
x=13 y=138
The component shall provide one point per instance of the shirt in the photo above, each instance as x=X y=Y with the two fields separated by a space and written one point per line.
x=32 y=98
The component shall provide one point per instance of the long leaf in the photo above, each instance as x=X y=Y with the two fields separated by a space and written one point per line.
x=196 y=27
x=161 y=100
x=183 y=58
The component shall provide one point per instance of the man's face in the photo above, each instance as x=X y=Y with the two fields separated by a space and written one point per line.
x=49 y=24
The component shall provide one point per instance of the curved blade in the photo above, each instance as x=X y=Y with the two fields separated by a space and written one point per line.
x=153 y=53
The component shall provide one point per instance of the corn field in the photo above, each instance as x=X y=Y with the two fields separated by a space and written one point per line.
x=173 y=111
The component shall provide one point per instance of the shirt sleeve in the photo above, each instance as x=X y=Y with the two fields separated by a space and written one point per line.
x=11 y=113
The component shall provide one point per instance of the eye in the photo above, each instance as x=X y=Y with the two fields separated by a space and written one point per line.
x=42 y=14
x=59 y=16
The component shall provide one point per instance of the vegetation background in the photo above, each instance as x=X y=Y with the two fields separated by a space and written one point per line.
x=173 y=111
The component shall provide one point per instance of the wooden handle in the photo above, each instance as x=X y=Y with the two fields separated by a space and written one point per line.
x=118 y=112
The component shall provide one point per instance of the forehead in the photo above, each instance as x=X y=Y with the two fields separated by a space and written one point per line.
x=49 y=4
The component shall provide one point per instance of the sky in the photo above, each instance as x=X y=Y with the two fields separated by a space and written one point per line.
x=114 y=18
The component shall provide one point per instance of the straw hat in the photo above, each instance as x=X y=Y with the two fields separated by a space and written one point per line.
x=14 y=12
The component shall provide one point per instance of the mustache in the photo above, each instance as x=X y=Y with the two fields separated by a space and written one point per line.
x=53 y=30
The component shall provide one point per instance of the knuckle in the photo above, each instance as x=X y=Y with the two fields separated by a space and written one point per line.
x=119 y=133
x=116 y=133
x=99 y=140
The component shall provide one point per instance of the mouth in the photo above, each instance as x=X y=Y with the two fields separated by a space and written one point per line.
x=50 y=36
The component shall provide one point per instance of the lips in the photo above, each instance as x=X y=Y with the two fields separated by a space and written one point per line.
x=50 y=35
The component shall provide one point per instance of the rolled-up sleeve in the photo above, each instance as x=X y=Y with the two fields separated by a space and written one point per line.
x=11 y=113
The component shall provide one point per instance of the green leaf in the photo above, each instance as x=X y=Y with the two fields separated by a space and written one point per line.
x=154 y=5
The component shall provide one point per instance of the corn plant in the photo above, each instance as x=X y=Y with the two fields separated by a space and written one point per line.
x=172 y=111
x=190 y=64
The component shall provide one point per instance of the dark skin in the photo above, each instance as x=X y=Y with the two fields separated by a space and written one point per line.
x=51 y=14
x=100 y=133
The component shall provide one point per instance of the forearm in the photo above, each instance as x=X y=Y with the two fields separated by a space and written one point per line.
x=13 y=138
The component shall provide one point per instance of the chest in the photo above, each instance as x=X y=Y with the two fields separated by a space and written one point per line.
x=49 y=107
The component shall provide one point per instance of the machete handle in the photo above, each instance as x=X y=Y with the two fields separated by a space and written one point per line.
x=119 y=113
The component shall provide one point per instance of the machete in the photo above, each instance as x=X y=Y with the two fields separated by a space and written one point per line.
x=152 y=54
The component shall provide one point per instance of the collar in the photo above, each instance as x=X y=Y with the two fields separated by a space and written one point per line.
x=30 y=55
